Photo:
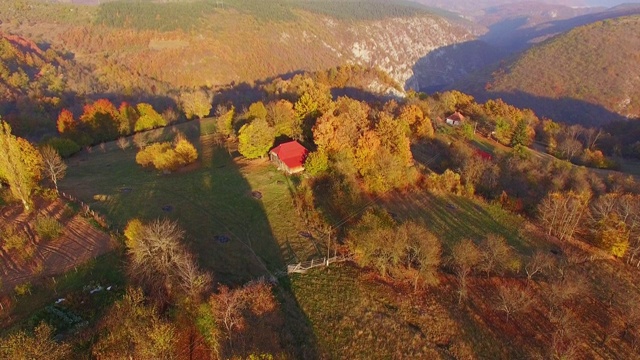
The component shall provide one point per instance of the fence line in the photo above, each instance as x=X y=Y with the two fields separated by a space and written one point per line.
x=303 y=267
x=101 y=220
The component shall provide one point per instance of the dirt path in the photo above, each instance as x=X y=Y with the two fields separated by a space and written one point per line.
x=79 y=242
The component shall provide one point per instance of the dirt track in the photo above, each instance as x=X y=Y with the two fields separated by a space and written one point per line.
x=78 y=243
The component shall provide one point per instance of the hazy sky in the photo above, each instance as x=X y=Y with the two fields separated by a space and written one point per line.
x=608 y=3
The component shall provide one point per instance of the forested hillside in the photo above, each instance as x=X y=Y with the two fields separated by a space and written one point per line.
x=205 y=44
x=588 y=75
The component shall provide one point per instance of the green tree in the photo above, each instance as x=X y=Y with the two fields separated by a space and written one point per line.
x=20 y=165
x=224 y=122
x=148 y=118
x=255 y=139
x=316 y=163
x=257 y=110
x=306 y=106
x=521 y=134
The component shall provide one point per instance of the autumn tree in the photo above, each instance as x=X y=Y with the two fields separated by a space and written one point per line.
x=248 y=319
x=512 y=299
x=66 y=124
x=466 y=257
x=316 y=163
x=148 y=118
x=523 y=134
x=162 y=264
x=134 y=330
x=101 y=120
x=497 y=255
x=282 y=117
x=539 y=262
x=422 y=254
x=561 y=213
x=614 y=220
x=306 y=106
x=224 y=121
x=403 y=251
x=40 y=345
x=255 y=139
x=195 y=103
x=166 y=156
x=128 y=116
x=257 y=110
x=53 y=165
x=20 y=165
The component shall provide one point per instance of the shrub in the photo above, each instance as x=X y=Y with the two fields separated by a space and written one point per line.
x=47 y=227
x=14 y=238
x=164 y=157
x=64 y=147
x=23 y=289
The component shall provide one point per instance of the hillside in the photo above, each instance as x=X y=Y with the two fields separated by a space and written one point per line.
x=588 y=75
x=200 y=44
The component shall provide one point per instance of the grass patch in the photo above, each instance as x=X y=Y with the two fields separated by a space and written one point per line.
x=47 y=227
x=453 y=218
x=208 y=201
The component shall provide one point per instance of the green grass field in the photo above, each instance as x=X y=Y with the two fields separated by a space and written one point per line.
x=453 y=218
x=209 y=200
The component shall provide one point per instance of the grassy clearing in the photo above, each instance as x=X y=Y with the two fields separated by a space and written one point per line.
x=211 y=199
x=453 y=218
x=356 y=316
x=357 y=319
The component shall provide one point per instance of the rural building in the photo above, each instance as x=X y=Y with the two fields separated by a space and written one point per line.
x=456 y=119
x=289 y=156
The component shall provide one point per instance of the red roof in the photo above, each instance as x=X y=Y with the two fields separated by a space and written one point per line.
x=291 y=154
x=484 y=155
x=456 y=117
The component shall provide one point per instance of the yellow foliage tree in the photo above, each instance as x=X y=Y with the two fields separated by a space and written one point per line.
x=165 y=157
x=20 y=165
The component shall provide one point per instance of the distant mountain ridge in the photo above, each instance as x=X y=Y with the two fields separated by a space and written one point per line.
x=595 y=65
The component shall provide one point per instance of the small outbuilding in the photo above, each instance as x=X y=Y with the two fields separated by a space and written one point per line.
x=455 y=119
x=289 y=156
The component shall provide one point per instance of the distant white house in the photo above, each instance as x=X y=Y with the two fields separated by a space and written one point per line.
x=456 y=119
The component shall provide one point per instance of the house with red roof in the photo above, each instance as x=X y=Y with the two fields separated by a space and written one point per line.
x=455 y=119
x=289 y=156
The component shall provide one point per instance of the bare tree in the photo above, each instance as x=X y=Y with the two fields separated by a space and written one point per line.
x=422 y=254
x=123 y=143
x=563 y=339
x=512 y=299
x=160 y=262
x=561 y=213
x=539 y=262
x=631 y=319
x=53 y=165
x=466 y=256
x=568 y=289
x=497 y=255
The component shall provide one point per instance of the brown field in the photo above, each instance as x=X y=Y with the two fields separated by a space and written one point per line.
x=79 y=242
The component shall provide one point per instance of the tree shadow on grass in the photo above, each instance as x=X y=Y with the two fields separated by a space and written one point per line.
x=226 y=227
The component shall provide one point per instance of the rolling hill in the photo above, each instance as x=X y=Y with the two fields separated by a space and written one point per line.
x=588 y=75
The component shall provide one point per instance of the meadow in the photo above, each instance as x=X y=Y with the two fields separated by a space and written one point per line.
x=214 y=200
